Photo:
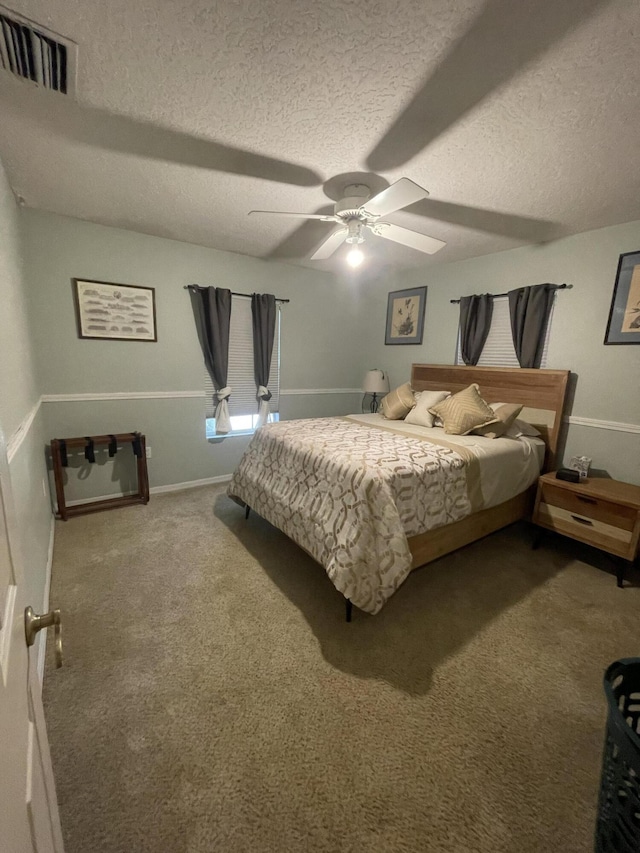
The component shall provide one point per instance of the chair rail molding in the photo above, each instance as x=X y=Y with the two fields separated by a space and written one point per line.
x=616 y=426
x=93 y=396
x=20 y=433
x=293 y=391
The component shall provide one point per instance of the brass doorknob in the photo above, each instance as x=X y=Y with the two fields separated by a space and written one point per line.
x=34 y=623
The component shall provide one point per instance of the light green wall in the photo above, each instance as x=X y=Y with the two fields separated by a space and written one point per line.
x=333 y=330
x=607 y=377
x=320 y=347
x=17 y=375
x=33 y=509
x=18 y=395
x=175 y=431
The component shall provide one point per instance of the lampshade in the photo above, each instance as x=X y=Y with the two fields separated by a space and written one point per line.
x=375 y=382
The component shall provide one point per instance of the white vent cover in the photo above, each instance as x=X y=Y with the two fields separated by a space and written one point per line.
x=36 y=54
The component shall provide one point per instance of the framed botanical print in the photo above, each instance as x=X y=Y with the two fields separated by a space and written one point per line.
x=117 y=312
x=624 y=317
x=405 y=316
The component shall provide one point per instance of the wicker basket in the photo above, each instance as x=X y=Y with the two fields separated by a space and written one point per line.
x=618 y=822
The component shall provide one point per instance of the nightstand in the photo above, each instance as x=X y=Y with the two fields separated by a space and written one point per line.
x=600 y=512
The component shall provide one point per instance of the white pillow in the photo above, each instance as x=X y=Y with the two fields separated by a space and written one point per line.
x=420 y=413
x=519 y=428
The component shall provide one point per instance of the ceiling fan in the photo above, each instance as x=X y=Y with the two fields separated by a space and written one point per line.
x=356 y=213
x=455 y=86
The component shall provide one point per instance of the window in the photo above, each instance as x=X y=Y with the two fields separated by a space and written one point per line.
x=498 y=350
x=243 y=406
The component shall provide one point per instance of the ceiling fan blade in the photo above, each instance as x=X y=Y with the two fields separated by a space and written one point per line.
x=413 y=239
x=395 y=197
x=321 y=216
x=504 y=38
x=304 y=239
x=329 y=246
x=490 y=221
x=114 y=132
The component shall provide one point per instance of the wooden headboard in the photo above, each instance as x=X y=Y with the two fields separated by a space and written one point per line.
x=541 y=392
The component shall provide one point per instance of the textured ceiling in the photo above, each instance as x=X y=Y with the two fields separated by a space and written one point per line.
x=522 y=118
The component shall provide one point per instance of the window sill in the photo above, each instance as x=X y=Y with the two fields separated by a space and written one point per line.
x=212 y=437
x=244 y=425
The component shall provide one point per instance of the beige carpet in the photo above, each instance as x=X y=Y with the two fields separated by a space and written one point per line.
x=214 y=699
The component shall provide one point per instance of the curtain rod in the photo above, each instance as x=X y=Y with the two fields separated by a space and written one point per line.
x=233 y=293
x=497 y=295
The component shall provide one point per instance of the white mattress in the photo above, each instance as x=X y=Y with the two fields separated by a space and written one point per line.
x=508 y=466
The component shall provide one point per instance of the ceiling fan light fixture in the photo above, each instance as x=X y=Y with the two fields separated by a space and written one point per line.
x=355 y=257
x=355 y=232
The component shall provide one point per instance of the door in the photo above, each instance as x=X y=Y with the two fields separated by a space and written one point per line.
x=29 y=818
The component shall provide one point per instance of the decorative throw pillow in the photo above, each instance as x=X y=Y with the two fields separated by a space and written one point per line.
x=464 y=411
x=506 y=414
x=420 y=413
x=398 y=402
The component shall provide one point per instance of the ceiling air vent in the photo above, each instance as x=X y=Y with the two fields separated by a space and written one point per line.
x=36 y=54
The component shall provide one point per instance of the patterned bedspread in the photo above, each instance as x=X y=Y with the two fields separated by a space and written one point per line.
x=350 y=494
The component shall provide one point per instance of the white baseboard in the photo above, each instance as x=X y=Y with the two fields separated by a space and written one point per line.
x=97 y=498
x=190 y=484
x=159 y=490
x=42 y=650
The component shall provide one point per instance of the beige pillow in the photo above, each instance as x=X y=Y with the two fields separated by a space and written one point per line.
x=398 y=402
x=420 y=413
x=506 y=414
x=464 y=411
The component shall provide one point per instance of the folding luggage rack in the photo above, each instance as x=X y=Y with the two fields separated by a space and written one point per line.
x=59 y=447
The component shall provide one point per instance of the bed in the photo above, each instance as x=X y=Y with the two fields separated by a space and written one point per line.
x=371 y=500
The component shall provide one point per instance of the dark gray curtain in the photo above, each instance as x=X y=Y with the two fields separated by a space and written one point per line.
x=212 y=313
x=529 y=308
x=475 y=322
x=263 y=313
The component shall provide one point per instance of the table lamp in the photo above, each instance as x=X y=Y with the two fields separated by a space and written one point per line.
x=376 y=383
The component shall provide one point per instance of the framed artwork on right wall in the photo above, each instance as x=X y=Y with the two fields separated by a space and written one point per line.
x=624 y=317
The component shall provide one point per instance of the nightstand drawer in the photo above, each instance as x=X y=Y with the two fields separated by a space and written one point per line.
x=612 y=538
x=607 y=512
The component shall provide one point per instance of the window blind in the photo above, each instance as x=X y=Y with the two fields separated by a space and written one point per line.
x=240 y=375
x=498 y=350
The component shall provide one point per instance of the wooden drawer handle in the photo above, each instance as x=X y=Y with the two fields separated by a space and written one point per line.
x=586 y=500
x=582 y=520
